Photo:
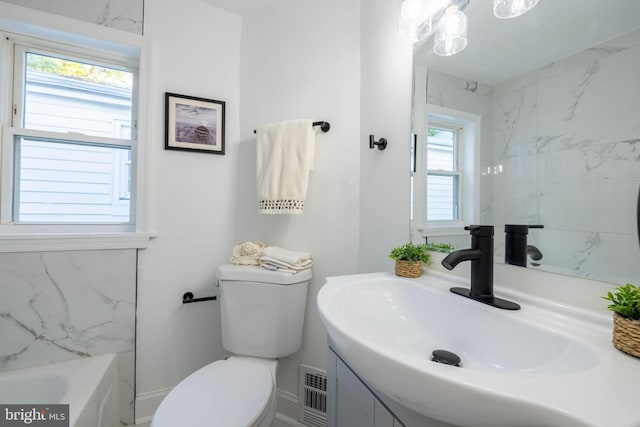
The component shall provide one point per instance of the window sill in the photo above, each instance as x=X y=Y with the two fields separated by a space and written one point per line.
x=442 y=231
x=47 y=242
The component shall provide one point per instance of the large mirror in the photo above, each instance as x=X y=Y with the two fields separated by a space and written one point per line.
x=557 y=94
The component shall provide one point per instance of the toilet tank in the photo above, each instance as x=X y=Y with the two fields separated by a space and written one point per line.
x=262 y=311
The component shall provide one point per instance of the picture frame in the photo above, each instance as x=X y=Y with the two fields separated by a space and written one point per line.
x=194 y=124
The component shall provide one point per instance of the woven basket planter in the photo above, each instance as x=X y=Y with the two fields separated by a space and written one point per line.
x=410 y=269
x=626 y=335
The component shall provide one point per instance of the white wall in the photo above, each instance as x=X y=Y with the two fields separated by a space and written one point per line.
x=301 y=59
x=330 y=61
x=195 y=50
x=386 y=112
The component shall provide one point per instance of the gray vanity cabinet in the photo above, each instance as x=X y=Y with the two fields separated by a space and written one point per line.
x=350 y=403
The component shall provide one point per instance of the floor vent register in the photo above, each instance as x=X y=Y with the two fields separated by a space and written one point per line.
x=313 y=396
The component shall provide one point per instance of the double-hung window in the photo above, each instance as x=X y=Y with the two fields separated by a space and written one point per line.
x=69 y=144
x=443 y=172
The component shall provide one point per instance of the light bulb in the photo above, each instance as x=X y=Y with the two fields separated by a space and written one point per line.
x=416 y=19
x=451 y=35
x=412 y=10
x=512 y=8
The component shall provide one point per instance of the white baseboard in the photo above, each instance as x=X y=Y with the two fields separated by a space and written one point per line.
x=287 y=405
x=283 y=420
x=147 y=404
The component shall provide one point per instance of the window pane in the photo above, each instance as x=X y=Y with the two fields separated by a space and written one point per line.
x=67 y=182
x=441 y=149
x=442 y=197
x=69 y=96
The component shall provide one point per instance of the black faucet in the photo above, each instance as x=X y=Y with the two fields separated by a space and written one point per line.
x=481 y=257
x=516 y=248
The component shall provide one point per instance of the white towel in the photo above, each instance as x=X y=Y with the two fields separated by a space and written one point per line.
x=275 y=258
x=287 y=255
x=275 y=265
x=285 y=153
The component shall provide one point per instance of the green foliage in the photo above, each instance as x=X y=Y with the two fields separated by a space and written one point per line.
x=411 y=252
x=80 y=71
x=625 y=301
x=440 y=247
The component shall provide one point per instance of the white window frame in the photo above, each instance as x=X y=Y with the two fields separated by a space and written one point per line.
x=469 y=164
x=120 y=166
x=458 y=130
x=88 y=40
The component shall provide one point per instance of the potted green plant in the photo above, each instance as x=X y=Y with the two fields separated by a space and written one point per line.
x=409 y=259
x=625 y=304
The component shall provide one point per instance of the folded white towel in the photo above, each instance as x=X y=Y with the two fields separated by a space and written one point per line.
x=284 y=265
x=276 y=265
x=273 y=267
x=247 y=253
x=276 y=258
x=287 y=256
x=285 y=153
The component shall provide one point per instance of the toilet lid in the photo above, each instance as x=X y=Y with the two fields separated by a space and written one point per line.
x=229 y=393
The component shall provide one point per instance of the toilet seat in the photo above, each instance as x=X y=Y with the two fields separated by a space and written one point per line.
x=227 y=393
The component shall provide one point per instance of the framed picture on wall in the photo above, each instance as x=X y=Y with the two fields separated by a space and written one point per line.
x=194 y=124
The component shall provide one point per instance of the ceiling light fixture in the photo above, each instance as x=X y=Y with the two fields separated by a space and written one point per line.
x=419 y=19
x=505 y=9
x=413 y=14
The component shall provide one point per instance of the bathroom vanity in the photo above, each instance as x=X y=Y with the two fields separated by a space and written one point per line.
x=352 y=403
x=551 y=363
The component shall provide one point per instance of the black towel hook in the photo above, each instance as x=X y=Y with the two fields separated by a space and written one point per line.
x=381 y=143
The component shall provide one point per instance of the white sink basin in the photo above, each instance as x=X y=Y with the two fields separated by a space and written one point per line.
x=518 y=368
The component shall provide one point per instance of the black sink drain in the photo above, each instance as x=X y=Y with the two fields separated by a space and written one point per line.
x=446 y=357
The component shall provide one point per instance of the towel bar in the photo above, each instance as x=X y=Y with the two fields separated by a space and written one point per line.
x=324 y=126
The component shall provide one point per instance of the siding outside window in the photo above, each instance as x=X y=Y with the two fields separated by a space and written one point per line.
x=71 y=181
x=443 y=173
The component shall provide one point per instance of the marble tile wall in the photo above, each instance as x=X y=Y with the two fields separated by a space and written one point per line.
x=126 y=15
x=57 y=306
x=568 y=139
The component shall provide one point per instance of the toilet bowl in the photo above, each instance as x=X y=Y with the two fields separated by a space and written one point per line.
x=239 y=391
x=262 y=317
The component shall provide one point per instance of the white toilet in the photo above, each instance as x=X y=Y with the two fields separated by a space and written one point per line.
x=262 y=314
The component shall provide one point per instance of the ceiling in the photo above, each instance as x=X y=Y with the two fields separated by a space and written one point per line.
x=502 y=49
x=241 y=7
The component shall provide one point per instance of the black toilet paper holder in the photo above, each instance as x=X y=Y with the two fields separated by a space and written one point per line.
x=188 y=298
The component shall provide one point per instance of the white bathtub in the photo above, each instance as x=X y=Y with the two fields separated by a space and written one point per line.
x=88 y=385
